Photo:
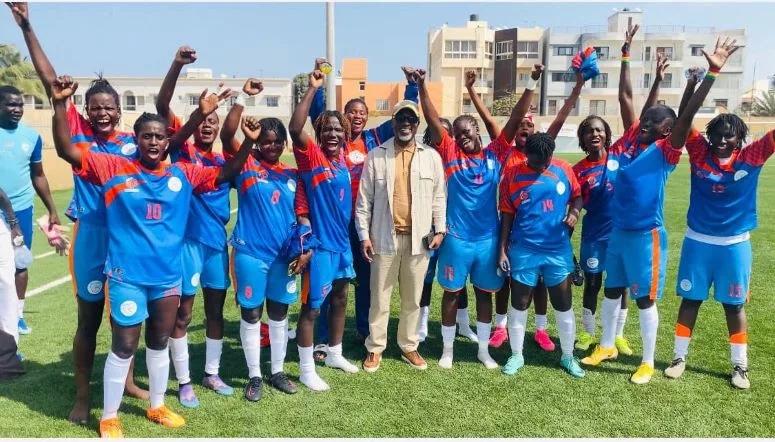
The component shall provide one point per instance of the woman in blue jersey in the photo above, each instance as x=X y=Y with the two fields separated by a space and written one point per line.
x=717 y=249
x=147 y=203
x=95 y=130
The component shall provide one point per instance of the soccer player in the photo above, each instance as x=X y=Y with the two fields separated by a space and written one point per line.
x=21 y=172
x=535 y=240
x=95 y=132
x=147 y=202
x=205 y=255
x=358 y=144
x=597 y=176
x=637 y=249
x=324 y=201
x=717 y=249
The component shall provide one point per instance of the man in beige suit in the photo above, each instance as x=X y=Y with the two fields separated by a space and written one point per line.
x=402 y=195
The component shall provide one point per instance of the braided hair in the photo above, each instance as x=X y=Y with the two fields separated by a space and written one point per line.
x=271 y=124
x=426 y=136
x=147 y=117
x=540 y=145
x=587 y=125
x=320 y=121
x=736 y=124
x=102 y=86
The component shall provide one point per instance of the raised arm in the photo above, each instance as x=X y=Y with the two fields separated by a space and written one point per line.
x=625 y=84
x=691 y=84
x=318 y=105
x=208 y=103
x=61 y=90
x=659 y=77
x=43 y=67
x=523 y=105
x=384 y=131
x=185 y=55
x=493 y=130
x=567 y=107
x=252 y=129
x=429 y=110
x=296 y=125
x=715 y=62
x=251 y=88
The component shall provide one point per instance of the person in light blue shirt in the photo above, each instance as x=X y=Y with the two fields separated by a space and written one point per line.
x=21 y=172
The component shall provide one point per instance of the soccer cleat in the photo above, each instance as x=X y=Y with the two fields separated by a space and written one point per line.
x=165 y=416
x=281 y=382
x=215 y=383
x=499 y=336
x=577 y=277
x=643 y=374
x=571 y=365
x=466 y=332
x=24 y=329
x=514 y=363
x=187 y=397
x=543 y=340
x=445 y=361
x=111 y=429
x=585 y=341
x=599 y=355
x=676 y=369
x=740 y=378
x=254 y=391
x=20 y=356
x=623 y=346
x=485 y=358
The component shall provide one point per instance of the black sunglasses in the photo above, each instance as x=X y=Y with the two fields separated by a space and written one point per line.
x=411 y=119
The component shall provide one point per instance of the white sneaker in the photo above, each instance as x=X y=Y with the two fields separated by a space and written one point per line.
x=314 y=382
x=485 y=358
x=446 y=358
x=338 y=361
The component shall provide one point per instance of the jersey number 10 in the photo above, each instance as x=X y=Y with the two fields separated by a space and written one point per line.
x=154 y=211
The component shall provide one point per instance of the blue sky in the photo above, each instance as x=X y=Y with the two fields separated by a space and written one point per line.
x=279 y=40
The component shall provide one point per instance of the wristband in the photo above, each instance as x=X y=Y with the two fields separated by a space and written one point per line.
x=625 y=57
x=241 y=98
x=531 y=84
x=712 y=73
x=13 y=222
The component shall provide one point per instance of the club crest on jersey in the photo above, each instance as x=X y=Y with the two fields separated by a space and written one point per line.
x=740 y=174
x=291 y=185
x=26 y=147
x=291 y=286
x=524 y=197
x=174 y=184
x=560 y=188
x=592 y=181
x=129 y=149
x=131 y=185
x=128 y=308
x=686 y=285
x=356 y=157
x=592 y=263
x=94 y=287
x=612 y=165
x=490 y=163
x=195 y=280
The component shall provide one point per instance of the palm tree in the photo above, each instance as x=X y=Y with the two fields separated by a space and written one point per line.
x=18 y=72
x=764 y=106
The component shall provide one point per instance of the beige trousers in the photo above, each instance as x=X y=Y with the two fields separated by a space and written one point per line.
x=409 y=272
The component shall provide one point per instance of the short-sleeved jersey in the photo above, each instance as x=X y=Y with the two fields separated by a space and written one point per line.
x=641 y=179
x=146 y=211
x=19 y=148
x=723 y=196
x=472 y=187
x=265 y=193
x=597 y=180
x=539 y=204
x=210 y=211
x=328 y=194
x=87 y=203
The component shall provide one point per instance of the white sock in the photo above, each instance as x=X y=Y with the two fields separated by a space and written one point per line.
x=425 y=312
x=681 y=346
x=448 y=338
x=609 y=311
x=158 y=363
x=21 y=308
x=179 y=353
x=500 y=320
x=213 y=350
x=621 y=319
x=250 y=335
x=566 y=328
x=462 y=318
x=113 y=380
x=448 y=335
x=649 y=322
x=336 y=360
x=307 y=366
x=588 y=321
x=517 y=325
x=278 y=343
x=483 y=333
x=540 y=322
x=739 y=355
x=422 y=323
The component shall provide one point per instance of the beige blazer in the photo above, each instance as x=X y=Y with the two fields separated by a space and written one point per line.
x=374 y=207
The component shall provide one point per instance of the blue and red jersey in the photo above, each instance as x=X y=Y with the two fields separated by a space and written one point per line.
x=146 y=213
x=597 y=180
x=539 y=203
x=641 y=179
x=326 y=192
x=723 y=196
x=210 y=211
x=266 y=195
x=472 y=187
x=87 y=204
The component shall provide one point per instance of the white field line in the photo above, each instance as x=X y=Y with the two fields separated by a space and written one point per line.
x=50 y=285
x=43 y=255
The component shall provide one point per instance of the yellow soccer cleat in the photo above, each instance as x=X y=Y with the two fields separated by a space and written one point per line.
x=165 y=416
x=623 y=345
x=643 y=375
x=599 y=355
x=111 y=429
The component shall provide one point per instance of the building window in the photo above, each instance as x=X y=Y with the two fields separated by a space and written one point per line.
x=668 y=81
x=361 y=85
x=153 y=98
x=383 y=105
x=721 y=103
x=130 y=102
x=488 y=49
x=667 y=52
x=602 y=52
x=527 y=49
x=460 y=49
x=271 y=101
x=524 y=77
x=504 y=50
x=78 y=100
x=193 y=100
x=662 y=102
x=35 y=102
x=697 y=50
x=601 y=81
x=565 y=77
x=646 y=80
x=565 y=50
x=552 y=107
x=597 y=107
x=647 y=53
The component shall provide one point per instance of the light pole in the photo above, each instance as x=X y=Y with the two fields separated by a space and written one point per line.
x=331 y=77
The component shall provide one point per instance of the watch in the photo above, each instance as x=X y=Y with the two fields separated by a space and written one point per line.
x=18 y=241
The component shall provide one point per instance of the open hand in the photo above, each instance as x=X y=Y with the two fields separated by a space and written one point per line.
x=662 y=66
x=368 y=250
x=721 y=54
x=631 y=31
x=208 y=103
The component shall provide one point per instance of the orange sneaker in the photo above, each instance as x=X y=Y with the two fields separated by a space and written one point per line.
x=165 y=416
x=111 y=429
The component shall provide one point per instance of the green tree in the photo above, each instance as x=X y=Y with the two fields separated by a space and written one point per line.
x=764 y=106
x=18 y=72
x=502 y=106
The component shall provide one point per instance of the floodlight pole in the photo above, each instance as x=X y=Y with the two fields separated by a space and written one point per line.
x=331 y=77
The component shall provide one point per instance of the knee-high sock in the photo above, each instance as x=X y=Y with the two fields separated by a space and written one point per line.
x=250 y=334
x=649 y=322
x=517 y=326
x=113 y=380
x=213 y=350
x=683 y=336
x=158 y=363
x=179 y=353
x=609 y=311
x=621 y=319
x=738 y=349
x=588 y=321
x=278 y=339
x=566 y=328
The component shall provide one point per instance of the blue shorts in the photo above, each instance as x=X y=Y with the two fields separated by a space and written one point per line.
x=256 y=280
x=727 y=268
x=637 y=260
x=88 y=251
x=433 y=256
x=528 y=265
x=205 y=266
x=324 y=268
x=128 y=303
x=459 y=258
x=593 y=255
